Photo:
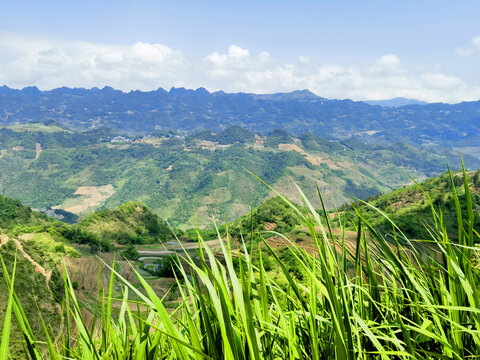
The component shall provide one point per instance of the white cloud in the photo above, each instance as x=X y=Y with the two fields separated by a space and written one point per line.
x=236 y=58
x=384 y=78
x=388 y=64
x=471 y=50
x=49 y=63
x=305 y=59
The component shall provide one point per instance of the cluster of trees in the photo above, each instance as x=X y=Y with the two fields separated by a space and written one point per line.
x=130 y=223
x=13 y=213
x=274 y=211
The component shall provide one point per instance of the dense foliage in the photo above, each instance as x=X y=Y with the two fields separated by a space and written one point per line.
x=272 y=214
x=211 y=180
x=130 y=223
x=13 y=213
x=231 y=135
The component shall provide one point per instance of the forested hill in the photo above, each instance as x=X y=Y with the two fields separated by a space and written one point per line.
x=188 y=179
x=191 y=111
x=13 y=213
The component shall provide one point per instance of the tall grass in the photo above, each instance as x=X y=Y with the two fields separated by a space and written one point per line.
x=392 y=298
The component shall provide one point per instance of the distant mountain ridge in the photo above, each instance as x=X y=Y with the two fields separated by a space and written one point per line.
x=190 y=111
x=396 y=102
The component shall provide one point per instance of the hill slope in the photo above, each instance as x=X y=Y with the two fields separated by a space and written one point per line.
x=38 y=281
x=409 y=208
x=130 y=223
x=38 y=245
x=13 y=213
x=83 y=172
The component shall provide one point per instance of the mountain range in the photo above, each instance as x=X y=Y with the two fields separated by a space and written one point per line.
x=395 y=102
x=190 y=111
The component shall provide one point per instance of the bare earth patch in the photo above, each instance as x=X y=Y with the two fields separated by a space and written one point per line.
x=258 y=144
x=18 y=148
x=87 y=197
x=47 y=274
x=334 y=215
x=269 y=226
x=38 y=150
x=314 y=160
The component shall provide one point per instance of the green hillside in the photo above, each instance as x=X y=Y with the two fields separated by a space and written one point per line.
x=36 y=296
x=32 y=241
x=193 y=180
x=13 y=213
x=410 y=209
x=130 y=223
x=272 y=214
x=38 y=245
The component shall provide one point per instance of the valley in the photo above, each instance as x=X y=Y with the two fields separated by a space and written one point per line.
x=80 y=172
x=142 y=249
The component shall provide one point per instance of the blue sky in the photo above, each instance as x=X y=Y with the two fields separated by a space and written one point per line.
x=428 y=50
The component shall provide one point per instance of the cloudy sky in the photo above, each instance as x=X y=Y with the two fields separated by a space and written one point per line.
x=359 y=49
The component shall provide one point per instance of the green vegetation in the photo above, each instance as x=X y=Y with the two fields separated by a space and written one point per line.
x=37 y=279
x=278 y=137
x=390 y=297
x=272 y=214
x=130 y=253
x=48 y=127
x=166 y=267
x=130 y=223
x=210 y=180
x=13 y=213
x=409 y=208
x=231 y=135
x=38 y=244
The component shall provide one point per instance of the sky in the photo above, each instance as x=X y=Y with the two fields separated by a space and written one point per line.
x=359 y=49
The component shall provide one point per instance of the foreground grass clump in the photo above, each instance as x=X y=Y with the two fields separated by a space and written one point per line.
x=384 y=301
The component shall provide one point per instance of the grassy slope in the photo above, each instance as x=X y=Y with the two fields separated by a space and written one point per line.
x=409 y=208
x=39 y=245
x=31 y=284
x=31 y=288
